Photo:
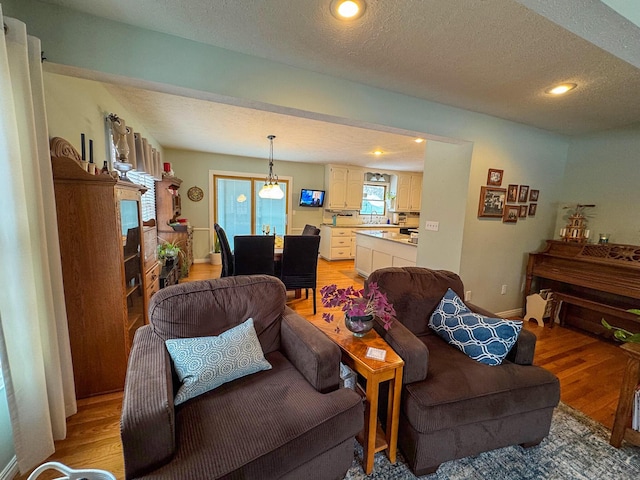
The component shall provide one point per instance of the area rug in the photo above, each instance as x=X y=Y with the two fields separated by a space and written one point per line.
x=577 y=448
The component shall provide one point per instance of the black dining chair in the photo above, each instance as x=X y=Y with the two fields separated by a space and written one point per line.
x=253 y=254
x=225 y=250
x=310 y=230
x=300 y=263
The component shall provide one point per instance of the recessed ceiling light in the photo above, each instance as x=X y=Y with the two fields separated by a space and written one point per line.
x=419 y=140
x=378 y=152
x=347 y=9
x=560 y=89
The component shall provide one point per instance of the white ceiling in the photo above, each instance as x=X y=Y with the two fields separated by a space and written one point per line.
x=489 y=56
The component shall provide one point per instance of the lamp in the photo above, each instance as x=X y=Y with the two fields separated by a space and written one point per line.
x=120 y=131
x=271 y=189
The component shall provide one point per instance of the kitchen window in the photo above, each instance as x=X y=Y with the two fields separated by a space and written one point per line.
x=373 y=199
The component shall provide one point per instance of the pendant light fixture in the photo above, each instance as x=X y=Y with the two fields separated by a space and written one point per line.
x=271 y=189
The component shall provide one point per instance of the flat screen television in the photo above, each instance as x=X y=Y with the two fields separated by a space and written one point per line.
x=311 y=198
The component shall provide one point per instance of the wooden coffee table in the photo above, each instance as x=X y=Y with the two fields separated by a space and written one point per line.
x=354 y=349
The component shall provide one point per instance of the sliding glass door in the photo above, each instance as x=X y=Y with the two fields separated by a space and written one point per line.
x=240 y=211
x=270 y=212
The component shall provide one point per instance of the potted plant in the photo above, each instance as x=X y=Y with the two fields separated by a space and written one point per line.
x=391 y=200
x=215 y=257
x=168 y=252
x=359 y=307
x=622 y=334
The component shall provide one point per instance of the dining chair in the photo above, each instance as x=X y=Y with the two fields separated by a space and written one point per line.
x=225 y=249
x=300 y=263
x=253 y=254
x=310 y=230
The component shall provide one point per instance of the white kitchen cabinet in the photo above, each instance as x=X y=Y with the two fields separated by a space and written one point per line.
x=363 y=259
x=339 y=243
x=336 y=243
x=408 y=190
x=415 y=195
x=344 y=187
x=375 y=250
x=403 y=191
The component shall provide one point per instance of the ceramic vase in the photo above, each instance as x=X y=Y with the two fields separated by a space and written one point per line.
x=359 y=326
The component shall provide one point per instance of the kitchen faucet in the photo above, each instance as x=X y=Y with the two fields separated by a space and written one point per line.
x=371 y=216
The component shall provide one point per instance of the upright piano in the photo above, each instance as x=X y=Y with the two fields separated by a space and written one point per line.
x=590 y=282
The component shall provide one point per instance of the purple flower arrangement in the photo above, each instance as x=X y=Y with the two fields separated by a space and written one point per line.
x=358 y=303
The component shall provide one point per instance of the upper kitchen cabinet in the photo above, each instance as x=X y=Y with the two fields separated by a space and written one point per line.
x=408 y=190
x=344 y=187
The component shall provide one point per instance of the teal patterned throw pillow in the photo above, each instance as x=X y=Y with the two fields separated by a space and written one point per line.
x=486 y=340
x=205 y=363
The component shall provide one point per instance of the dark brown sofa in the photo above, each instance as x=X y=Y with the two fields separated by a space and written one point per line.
x=291 y=421
x=452 y=406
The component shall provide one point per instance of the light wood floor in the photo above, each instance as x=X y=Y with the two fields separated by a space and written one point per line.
x=590 y=372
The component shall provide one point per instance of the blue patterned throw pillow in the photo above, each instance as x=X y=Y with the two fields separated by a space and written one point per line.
x=205 y=363
x=486 y=340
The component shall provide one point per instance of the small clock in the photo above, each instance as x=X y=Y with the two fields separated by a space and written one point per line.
x=195 y=194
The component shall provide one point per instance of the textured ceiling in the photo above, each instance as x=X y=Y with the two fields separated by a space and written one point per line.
x=489 y=56
x=242 y=131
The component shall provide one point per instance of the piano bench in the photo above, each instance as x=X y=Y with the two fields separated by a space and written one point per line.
x=614 y=315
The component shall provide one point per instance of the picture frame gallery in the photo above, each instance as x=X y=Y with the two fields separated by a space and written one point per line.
x=494 y=200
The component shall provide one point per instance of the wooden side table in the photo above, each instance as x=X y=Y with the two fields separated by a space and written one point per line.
x=621 y=430
x=354 y=349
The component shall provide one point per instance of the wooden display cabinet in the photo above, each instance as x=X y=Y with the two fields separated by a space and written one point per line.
x=151 y=265
x=102 y=253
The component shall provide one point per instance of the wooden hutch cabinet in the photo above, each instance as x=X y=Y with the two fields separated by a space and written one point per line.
x=168 y=209
x=102 y=253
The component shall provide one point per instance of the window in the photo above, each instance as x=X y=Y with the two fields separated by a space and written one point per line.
x=373 y=199
x=148 y=201
x=240 y=211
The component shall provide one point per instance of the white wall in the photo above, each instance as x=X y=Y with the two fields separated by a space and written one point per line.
x=76 y=106
x=445 y=186
x=603 y=169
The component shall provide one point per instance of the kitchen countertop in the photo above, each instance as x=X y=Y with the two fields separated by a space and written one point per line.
x=390 y=236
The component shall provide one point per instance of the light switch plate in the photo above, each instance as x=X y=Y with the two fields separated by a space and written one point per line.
x=431 y=225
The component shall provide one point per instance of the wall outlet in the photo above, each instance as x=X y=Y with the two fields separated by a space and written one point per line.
x=504 y=290
x=431 y=225
x=467 y=296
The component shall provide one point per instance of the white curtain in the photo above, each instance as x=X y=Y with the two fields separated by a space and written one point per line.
x=34 y=340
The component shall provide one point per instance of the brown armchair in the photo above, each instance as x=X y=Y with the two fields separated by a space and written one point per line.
x=453 y=406
x=291 y=421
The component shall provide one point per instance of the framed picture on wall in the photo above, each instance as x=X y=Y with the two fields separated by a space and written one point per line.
x=494 y=178
x=512 y=193
x=511 y=213
x=523 y=211
x=491 y=202
x=533 y=195
x=532 y=209
x=524 y=193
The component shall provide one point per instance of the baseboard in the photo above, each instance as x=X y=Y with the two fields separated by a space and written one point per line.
x=11 y=470
x=516 y=312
